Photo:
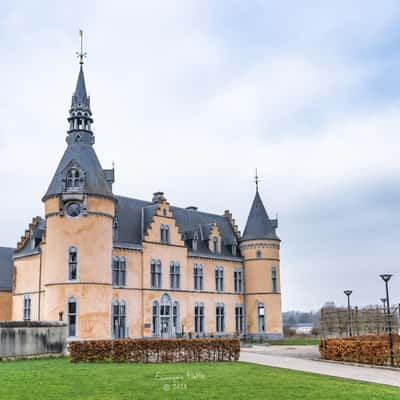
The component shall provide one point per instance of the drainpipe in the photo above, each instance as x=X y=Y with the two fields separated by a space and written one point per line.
x=40 y=279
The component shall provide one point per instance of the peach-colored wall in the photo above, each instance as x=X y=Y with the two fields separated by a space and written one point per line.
x=5 y=306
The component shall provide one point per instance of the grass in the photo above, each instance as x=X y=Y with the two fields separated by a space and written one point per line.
x=287 y=342
x=59 y=379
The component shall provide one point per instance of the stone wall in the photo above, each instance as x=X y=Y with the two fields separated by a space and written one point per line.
x=32 y=338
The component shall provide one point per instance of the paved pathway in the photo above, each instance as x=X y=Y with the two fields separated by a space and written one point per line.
x=292 y=357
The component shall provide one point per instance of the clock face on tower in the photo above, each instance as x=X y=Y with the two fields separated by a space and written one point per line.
x=73 y=209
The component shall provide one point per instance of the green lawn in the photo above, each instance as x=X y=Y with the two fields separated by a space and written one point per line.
x=59 y=379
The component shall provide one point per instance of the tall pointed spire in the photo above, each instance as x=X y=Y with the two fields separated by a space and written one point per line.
x=80 y=114
x=259 y=225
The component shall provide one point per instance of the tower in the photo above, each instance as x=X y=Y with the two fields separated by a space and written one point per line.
x=79 y=210
x=260 y=249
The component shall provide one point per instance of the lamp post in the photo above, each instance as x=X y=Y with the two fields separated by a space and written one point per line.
x=348 y=293
x=386 y=279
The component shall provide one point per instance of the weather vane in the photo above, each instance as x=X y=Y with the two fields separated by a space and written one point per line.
x=81 y=54
x=256 y=180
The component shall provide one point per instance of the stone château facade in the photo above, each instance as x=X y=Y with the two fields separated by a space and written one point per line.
x=113 y=266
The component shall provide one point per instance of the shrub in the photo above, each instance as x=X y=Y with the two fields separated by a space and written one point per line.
x=156 y=350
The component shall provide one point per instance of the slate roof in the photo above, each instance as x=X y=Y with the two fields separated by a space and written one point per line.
x=80 y=95
x=37 y=233
x=258 y=225
x=6 y=268
x=134 y=216
x=85 y=156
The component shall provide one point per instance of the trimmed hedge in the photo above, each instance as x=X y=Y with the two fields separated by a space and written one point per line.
x=368 y=349
x=155 y=350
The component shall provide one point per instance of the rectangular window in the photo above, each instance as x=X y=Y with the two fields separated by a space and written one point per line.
x=155 y=274
x=164 y=233
x=27 y=307
x=72 y=312
x=198 y=276
x=239 y=321
x=199 y=318
x=261 y=317
x=274 y=280
x=174 y=275
x=220 y=318
x=219 y=279
x=72 y=264
x=119 y=271
x=238 y=280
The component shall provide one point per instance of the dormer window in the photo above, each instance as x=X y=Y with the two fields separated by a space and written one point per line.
x=215 y=244
x=74 y=179
x=195 y=240
x=234 y=249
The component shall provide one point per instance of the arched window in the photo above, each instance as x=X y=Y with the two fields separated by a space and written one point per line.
x=175 y=318
x=155 y=318
x=174 y=275
x=72 y=316
x=261 y=317
x=155 y=274
x=215 y=244
x=72 y=263
x=164 y=212
x=165 y=315
x=118 y=319
x=198 y=276
x=220 y=318
x=219 y=279
x=74 y=179
x=27 y=307
x=119 y=271
x=199 y=318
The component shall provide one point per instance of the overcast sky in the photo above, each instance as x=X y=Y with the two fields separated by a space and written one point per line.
x=189 y=97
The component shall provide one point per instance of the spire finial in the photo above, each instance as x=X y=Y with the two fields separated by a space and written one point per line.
x=256 y=180
x=81 y=54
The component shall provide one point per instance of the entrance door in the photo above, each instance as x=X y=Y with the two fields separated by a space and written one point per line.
x=165 y=317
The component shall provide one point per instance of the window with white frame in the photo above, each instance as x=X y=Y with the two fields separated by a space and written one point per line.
x=72 y=263
x=118 y=319
x=72 y=316
x=119 y=271
x=274 y=280
x=155 y=274
x=238 y=280
x=198 y=276
x=174 y=275
x=219 y=279
x=220 y=318
x=239 y=319
x=175 y=318
x=27 y=307
x=261 y=317
x=198 y=318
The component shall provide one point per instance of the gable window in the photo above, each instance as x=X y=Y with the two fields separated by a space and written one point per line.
x=118 y=319
x=199 y=318
x=215 y=244
x=155 y=271
x=195 y=241
x=220 y=318
x=27 y=307
x=239 y=318
x=72 y=263
x=73 y=179
x=238 y=280
x=164 y=212
x=234 y=249
x=274 y=280
x=119 y=271
x=198 y=276
x=219 y=279
x=261 y=317
x=72 y=313
x=174 y=275
x=164 y=233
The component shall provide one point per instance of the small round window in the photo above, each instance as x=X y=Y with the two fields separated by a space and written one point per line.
x=73 y=209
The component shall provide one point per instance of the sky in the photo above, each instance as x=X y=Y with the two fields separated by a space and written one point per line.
x=189 y=97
